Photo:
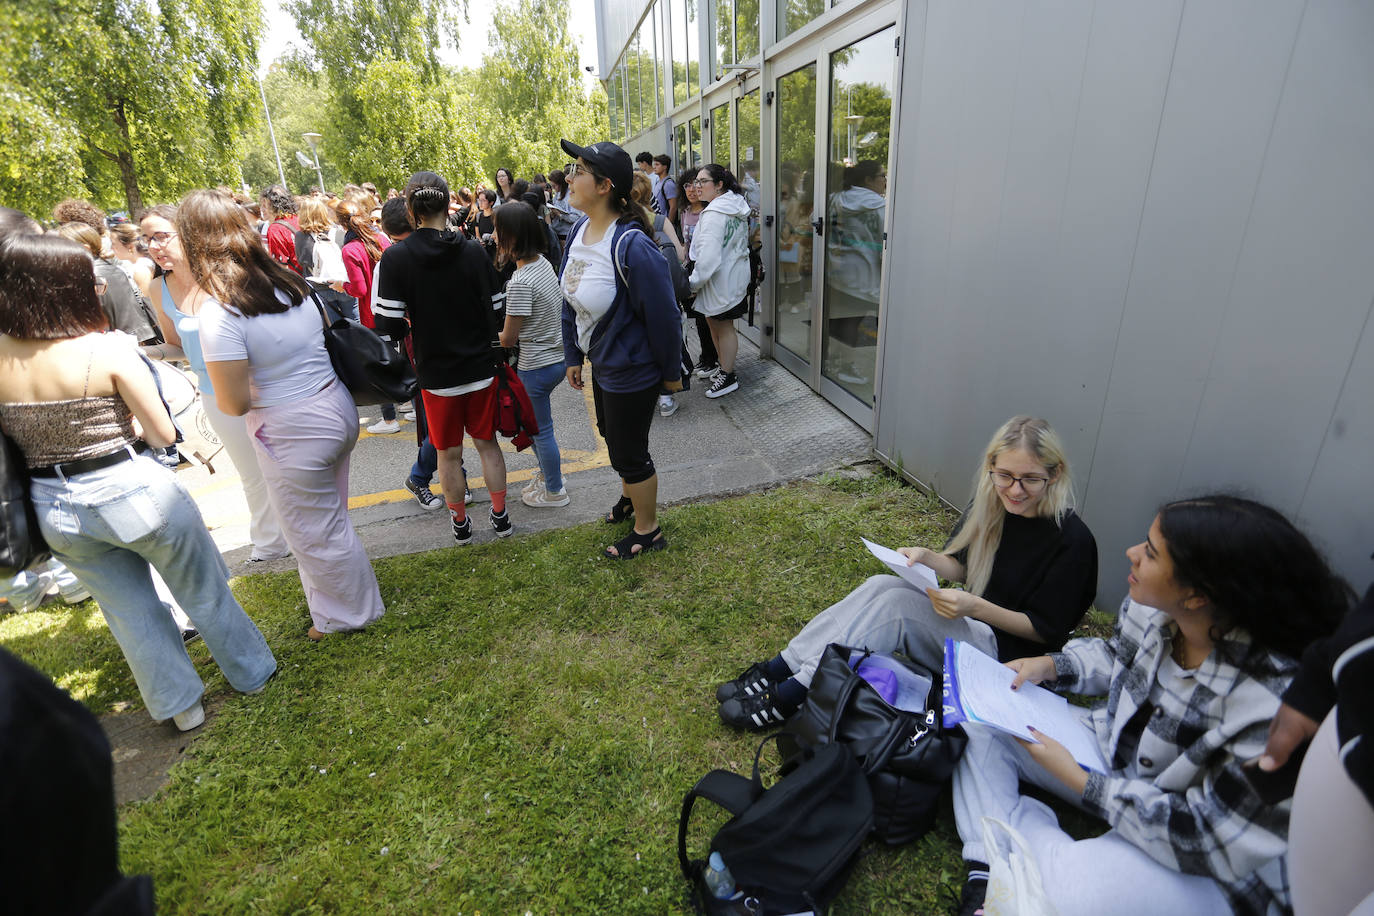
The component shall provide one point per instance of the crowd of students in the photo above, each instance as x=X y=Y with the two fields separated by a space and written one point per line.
x=1201 y=691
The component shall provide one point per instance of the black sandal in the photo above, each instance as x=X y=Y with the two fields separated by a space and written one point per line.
x=625 y=547
x=622 y=510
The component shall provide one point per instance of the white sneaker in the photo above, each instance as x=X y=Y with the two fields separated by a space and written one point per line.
x=543 y=499
x=191 y=718
x=535 y=484
x=384 y=427
x=406 y=411
x=667 y=405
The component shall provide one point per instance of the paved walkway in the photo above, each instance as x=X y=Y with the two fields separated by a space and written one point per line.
x=774 y=429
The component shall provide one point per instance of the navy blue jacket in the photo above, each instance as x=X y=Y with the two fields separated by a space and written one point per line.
x=637 y=344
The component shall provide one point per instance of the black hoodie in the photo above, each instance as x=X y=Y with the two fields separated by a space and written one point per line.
x=448 y=289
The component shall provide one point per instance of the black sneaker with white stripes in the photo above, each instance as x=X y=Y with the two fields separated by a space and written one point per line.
x=756 y=712
x=462 y=531
x=753 y=680
x=722 y=384
x=501 y=524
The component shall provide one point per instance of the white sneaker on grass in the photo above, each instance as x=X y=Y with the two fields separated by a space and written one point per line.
x=543 y=499
x=191 y=718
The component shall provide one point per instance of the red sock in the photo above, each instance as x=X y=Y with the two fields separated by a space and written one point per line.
x=458 y=512
x=498 y=501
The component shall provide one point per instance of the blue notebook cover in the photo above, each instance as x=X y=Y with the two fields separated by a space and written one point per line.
x=953 y=710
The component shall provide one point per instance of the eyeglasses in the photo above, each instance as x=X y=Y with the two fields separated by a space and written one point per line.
x=1004 y=481
x=158 y=238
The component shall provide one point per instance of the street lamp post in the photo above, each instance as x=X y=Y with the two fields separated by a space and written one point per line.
x=281 y=173
x=314 y=140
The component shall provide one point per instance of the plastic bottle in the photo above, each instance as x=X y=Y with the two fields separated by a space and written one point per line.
x=718 y=879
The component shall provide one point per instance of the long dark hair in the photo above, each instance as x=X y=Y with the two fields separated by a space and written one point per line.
x=519 y=233
x=47 y=288
x=426 y=195
x=226 y=257
x=1256 y=570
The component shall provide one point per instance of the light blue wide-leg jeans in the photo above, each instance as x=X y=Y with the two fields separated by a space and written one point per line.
x=539 y=385
x=109 y=526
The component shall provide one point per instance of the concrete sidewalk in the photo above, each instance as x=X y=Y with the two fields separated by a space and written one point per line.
x=773 y=429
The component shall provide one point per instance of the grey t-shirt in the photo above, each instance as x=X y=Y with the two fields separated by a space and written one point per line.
x=534 y=293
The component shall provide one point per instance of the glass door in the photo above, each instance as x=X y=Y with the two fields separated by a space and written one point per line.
x=832 y=118
x=860 y=121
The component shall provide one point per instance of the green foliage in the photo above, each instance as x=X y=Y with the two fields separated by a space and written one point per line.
x=347 y=35
x=528 y=92
x=153 y=98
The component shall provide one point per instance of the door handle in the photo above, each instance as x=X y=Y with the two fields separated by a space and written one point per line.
x=819 y=225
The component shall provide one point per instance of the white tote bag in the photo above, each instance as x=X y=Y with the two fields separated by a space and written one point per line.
x=1014 y=885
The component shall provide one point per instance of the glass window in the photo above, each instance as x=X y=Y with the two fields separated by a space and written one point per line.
x=677 y=30
x=634 y=112
x=680 y=145
x=614 y=104
x=646 y=75
x=746 y=29
x=724 y=27
x=694 y=141
x=660 y=53
x=720 y=134
x=793 y=14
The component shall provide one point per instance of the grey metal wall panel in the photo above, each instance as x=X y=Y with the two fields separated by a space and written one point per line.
x=1301 y=292
x=1225 y=84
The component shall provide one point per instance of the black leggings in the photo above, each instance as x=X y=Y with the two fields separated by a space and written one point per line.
x=623 y=421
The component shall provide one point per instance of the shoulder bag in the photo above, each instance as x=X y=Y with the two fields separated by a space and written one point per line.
x=373 y=371
x=900 y=741
x=21 y=541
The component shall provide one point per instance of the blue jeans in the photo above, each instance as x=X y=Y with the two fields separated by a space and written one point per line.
x=426 y=463
x=109 y=526
x=539 y=384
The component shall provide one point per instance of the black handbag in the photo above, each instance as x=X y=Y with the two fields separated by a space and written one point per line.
x=373 y=371
x=907 y=753
x=21 y=541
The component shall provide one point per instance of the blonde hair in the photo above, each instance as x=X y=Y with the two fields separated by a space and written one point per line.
x=83 y=235
x=981 y=532
x=313 y=215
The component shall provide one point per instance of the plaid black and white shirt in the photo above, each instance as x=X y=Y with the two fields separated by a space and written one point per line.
x=1174 y=740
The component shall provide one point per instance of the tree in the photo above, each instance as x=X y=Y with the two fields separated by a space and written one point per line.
x=529 y=92
x=300 y=102
x=152 y=97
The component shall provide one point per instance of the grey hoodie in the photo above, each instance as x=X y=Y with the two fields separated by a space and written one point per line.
x=720 y=248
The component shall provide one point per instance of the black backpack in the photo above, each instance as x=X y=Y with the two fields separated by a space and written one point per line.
x=790 y=847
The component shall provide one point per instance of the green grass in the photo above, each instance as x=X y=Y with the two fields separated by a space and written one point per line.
x=515 y=735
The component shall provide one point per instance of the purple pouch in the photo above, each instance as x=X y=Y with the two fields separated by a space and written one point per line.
x=881 y=680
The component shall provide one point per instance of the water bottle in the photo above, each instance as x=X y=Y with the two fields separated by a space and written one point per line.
x=718 y=879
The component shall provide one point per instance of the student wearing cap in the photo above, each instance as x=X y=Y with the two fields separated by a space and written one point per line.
x=619 y=311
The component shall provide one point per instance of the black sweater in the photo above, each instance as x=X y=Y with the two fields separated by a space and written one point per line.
x=448 y=289
x=1045 y=571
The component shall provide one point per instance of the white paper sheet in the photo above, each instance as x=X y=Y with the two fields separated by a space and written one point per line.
x=919 y=575
x=985 y=696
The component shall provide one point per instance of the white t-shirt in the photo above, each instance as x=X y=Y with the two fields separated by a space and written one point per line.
x=286 y=357
x=589 y=282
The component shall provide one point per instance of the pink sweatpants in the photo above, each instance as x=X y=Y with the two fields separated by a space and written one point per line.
x=303 y=449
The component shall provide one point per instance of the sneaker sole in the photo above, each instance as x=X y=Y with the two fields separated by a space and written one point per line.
x=723 y=391
x=552 y=504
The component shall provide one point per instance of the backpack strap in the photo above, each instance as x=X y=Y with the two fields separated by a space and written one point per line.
x=731 y=791
x=619 y=254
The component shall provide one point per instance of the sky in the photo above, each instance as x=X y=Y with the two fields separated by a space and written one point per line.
x=281 y=33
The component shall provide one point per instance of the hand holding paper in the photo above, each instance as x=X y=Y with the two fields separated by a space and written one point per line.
x=919 y=575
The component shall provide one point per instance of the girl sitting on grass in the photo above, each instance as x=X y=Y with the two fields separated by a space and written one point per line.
x=1224 y=595
x=1028 y=562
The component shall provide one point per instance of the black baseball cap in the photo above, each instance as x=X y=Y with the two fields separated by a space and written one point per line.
x=608 y=159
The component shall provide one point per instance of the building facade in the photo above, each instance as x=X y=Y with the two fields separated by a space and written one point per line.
x=1150 y=223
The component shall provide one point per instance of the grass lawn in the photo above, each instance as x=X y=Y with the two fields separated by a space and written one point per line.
x=517 y=733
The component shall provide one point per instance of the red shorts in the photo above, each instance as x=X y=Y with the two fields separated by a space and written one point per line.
x=449 y=415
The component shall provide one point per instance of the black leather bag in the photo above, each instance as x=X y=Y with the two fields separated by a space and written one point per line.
x=373 y=371
x=21 y=542
x=907 y=754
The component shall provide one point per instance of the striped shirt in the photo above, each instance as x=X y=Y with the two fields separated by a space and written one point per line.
x=1175 y=740
x=533 y=293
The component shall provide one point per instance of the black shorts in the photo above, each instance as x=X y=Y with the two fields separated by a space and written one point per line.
x=733 y=312
x=623 y=421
